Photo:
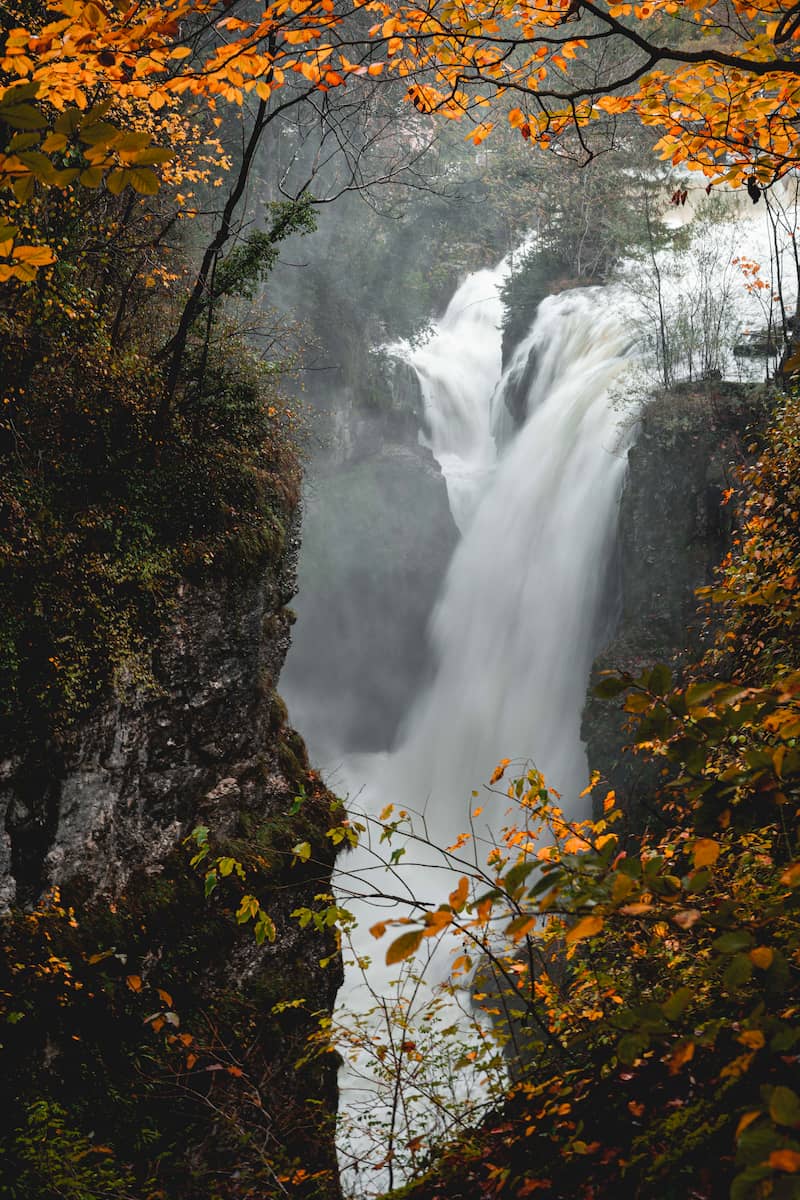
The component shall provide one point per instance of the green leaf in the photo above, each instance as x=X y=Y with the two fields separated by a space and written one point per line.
x=610 y=687
x=68 y=121
x=631 y=1046
x=92 y=177
x=738 y=972
x=23 y=116
x=22 y=141
x=102 y=133
x=784 y=1107
x=660 y=679
x=733 y=942
x=24 y=188
x=675 y=1005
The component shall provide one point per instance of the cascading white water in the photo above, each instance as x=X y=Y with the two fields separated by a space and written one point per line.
x=514 y=632
x=458 y=367
x=521 y=613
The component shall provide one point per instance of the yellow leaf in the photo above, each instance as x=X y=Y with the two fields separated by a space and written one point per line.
x=587 y=927
x=116 y=181
x=705 y=852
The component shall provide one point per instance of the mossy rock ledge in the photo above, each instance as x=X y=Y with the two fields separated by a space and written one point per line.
x=149 y=1047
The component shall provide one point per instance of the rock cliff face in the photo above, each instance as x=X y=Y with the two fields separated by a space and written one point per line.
x=206 y=1097
x=377 y=538
x=674 y=529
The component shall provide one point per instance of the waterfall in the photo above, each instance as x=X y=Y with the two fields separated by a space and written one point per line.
x=513 y=635
x=458 y=368
x=515 y=629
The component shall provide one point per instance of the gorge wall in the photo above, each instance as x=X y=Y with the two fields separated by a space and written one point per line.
x=149 y=1034
x=377 y=538
x=676 y=522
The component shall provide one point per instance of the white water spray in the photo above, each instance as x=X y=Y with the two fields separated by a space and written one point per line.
x=515 y=629
x=458 y=368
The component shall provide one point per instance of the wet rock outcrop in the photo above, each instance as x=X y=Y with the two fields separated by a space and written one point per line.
x=675 y=525
x=377 y=538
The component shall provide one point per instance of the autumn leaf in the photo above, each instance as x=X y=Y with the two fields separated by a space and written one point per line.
x=683 y=1053
x=705 y=852
x=403 y=947
x=761 y=957
x=587 y=927
x=499 y=770
x=458 y=898
x=785 y=1160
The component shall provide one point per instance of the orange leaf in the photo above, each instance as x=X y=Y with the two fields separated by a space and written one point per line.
x=36 y=256
x=499 y=770
x=752 y=1038
x=761 y=957
x=705 y=852
x=134 y=982
x=587 y=927
x=746 y=1120
x=403 y=947
x=791 y=876
x=785 y=1160
x=458 y=898
x=683 y=1053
